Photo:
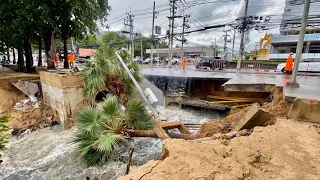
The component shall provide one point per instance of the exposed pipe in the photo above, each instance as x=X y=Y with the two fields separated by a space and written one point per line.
x=154 y=112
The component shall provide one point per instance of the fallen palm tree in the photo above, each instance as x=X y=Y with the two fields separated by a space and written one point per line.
x=100 y=129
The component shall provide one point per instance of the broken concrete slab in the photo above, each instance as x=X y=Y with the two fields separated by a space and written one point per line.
x=305 y=110
x=27 y=87
x=255 y=116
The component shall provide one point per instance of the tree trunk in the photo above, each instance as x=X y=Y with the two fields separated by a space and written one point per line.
x=65 y=52
x=14 y=55
x=20 y=60
x=151 y=133
x=143 y=133
x=40 y=52
x=47 y=46
x=28 y=54
x=8 y=54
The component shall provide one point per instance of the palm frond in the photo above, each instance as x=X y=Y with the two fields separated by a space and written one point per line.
x=137 y=116
x=108 y=142
x=100 y=72
x=110 y=107
x=145 y=122
x=89 y=120
x=4 y=128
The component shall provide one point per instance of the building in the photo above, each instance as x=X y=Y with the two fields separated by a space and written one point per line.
x=86 y=53
x=281 y=45
x=188 y=51
x=293 y=13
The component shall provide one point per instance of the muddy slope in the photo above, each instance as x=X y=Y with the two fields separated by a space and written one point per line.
x=285 y=150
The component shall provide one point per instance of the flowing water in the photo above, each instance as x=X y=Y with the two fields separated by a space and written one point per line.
x=50 y=154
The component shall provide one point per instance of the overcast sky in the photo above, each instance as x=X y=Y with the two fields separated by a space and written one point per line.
x=211 y=13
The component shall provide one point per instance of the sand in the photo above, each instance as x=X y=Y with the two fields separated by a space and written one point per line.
x=285 y=150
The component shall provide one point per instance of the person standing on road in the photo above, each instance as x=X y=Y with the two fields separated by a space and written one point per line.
x=184 y=63
x=289 y=64
x=56 y=59
x=71 y=60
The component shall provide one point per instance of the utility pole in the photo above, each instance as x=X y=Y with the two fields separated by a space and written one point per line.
x=152 y=34
x=129 y=22
x=234 y=39
x=172 y=17
x=300 y=43
x=225 y=40
x=184 y=25
x=141 y=53
x=244 y=24
x=215 y=47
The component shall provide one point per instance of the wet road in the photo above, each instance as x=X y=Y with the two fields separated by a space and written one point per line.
x=309 y=86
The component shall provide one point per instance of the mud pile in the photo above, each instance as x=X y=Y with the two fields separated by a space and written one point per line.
x=222 y=126
x=39 y=117
x=278 y=106
x=285 y=150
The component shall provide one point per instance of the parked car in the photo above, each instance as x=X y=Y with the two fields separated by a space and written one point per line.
x=82 y=60
x=146 y=61
x=211 y=62
x=138 y=60
x=174 y=61
x=306 y=65
x=156 y=60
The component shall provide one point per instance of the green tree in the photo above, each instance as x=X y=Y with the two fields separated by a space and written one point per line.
x=73 y=22
x=115 y=39
x=25 y=22
x=100 y=129
x=88 y=41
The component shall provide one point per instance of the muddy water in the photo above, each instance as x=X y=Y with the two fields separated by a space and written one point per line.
x=50 y=154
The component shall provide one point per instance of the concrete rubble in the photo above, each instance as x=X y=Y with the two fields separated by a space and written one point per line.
x=27 y=87
x=26 y=105
x=255 y=116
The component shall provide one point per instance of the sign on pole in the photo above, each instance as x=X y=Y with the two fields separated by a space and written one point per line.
x=158 y=30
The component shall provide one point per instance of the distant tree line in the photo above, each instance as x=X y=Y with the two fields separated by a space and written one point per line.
x=42 y=22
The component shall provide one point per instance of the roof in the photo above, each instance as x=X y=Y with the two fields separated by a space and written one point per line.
x=294 y=38
x=86 y=52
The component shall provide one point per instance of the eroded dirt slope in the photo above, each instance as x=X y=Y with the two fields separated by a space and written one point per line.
x=285 y=150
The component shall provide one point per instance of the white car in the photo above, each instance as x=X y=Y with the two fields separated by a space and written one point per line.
x=306 y=65
x=146 y=61
x=174 y=61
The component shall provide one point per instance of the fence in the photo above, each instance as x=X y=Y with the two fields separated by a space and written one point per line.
x=218 y=65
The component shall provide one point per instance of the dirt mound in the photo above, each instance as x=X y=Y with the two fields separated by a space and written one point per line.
x=222 y=126
x=285 y=150
x=8 y=100
x=36 y=119
x=278 y=106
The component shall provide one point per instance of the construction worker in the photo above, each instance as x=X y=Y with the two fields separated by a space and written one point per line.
x=289 y=64
x=184 y=63
x=56 y=59
x=71 y=60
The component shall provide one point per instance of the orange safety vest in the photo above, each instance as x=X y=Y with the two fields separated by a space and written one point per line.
x=289 y=64
x=71 y=58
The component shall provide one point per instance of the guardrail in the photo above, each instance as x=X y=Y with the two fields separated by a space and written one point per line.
x=218 y=65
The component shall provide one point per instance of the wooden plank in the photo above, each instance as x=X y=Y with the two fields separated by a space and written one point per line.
x=160 y=132
x=231 y=98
